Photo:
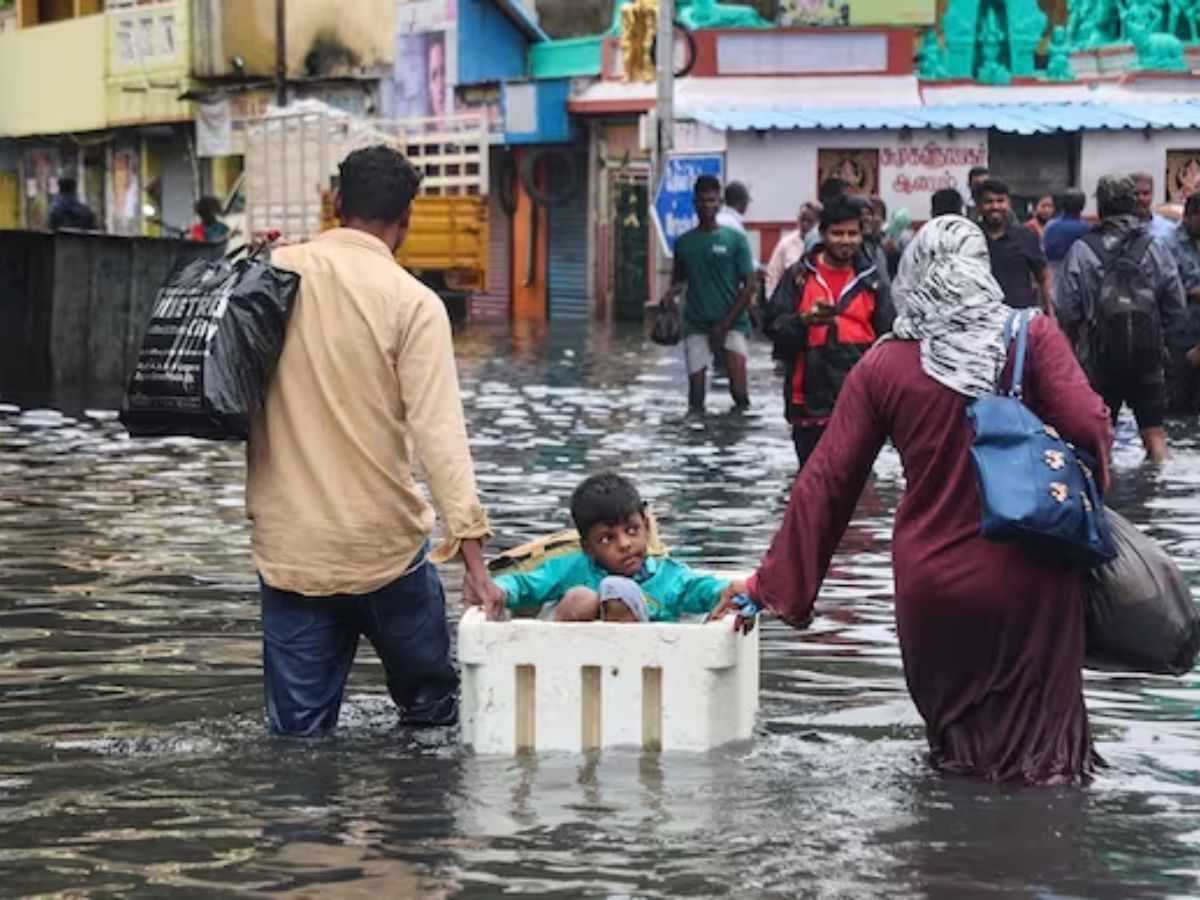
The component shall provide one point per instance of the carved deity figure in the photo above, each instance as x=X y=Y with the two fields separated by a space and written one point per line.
x=991 y=38
x=639 y=25
x=931 y=59
x=1143 y=21
x=1059 y=66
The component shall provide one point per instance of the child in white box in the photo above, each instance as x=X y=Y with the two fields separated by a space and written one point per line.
x=611 y=576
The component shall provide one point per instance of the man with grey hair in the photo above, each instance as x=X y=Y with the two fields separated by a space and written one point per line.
x=791 y=246
x=1158 y=227
x=1121 y=303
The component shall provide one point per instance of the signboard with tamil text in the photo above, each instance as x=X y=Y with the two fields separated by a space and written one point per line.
x=674 y=212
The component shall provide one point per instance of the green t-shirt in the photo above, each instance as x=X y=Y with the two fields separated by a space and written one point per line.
x=715 y=265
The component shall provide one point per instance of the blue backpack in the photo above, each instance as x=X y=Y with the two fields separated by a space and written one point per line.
x=1036 y=488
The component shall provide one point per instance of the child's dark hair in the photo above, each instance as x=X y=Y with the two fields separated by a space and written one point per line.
x=604 y=499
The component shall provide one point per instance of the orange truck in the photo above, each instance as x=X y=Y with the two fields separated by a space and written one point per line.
x=290 y=178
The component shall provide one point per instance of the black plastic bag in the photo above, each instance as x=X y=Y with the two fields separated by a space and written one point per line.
x=1140 y=613
x=668 y=327
x=214 y=338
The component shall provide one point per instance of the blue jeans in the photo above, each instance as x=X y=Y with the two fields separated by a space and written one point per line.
x=309 y=645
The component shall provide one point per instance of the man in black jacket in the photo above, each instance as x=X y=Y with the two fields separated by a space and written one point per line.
x=827 y=311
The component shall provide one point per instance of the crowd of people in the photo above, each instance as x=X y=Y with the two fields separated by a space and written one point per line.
x=877 y=341
x=1124 y=288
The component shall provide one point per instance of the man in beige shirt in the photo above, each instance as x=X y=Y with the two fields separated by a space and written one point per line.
x=365 y=386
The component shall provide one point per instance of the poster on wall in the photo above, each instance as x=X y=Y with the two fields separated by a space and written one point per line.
x=1183 y=174
x=426 y=58
x=126 y=202
x=214 y=128
x=40 y=170
x=856 y=13
x=857 y=167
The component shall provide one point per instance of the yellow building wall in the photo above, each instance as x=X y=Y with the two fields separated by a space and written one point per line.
x=10 y=200
x=148 y=62
x=349 y=38
x=37 y=96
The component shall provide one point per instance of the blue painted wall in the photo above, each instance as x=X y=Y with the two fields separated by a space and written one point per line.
x=554 y=125
x=490 y=48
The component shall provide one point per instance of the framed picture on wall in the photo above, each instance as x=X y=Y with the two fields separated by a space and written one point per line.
x=1183 y=174
x=858 y=167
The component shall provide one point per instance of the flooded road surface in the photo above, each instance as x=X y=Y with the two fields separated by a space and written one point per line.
x=134 y=761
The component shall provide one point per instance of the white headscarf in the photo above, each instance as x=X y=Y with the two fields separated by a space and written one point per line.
x=950 y=302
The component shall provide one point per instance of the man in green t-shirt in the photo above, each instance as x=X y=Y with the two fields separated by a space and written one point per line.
x=715 y=266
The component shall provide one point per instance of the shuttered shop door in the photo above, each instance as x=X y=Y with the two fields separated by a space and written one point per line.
x=493 y=303
x=568 y=245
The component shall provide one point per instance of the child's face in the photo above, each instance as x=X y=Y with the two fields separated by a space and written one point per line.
x=619 y=549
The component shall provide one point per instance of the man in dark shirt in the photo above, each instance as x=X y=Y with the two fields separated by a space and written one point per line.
x=1017 y=259
x=68 y=211
x=1065 y=229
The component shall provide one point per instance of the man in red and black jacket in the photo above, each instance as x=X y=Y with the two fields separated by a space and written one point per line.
x=827 y=311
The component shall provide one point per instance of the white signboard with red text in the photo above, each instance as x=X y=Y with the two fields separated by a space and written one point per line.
x=921 y=167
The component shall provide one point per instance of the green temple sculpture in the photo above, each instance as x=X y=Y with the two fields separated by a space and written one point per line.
x=711 y=14
x=931 y=58
x=1058 y=67
x=984 y=37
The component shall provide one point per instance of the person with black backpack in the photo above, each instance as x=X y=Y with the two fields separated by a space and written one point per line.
x=1121 y=303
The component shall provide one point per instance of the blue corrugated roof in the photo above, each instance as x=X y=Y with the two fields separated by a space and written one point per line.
x=1012 y=118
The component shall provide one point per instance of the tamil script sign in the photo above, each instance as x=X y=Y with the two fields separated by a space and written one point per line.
x=928 y=167
x=674 y=213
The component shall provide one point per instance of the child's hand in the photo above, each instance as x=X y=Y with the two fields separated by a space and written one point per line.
x=725 y=604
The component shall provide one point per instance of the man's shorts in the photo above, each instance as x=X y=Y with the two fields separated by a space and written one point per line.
x=1147 y=399
x=698 y=354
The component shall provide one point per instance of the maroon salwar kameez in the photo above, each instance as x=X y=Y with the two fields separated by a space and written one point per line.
x=992 y=636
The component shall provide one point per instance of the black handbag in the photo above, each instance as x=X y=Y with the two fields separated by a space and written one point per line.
x=668 y=327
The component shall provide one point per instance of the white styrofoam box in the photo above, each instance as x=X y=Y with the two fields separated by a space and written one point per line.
x=533 y=684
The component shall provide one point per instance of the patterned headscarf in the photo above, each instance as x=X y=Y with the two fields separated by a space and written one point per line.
x=951 y=303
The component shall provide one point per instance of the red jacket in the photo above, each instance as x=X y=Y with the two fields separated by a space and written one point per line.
x=819 y=357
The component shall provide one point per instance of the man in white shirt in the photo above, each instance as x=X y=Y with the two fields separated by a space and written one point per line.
x=792 y=245
x=1158 y=227
x=737 y=201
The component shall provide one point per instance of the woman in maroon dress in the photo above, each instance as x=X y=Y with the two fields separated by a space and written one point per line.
x=992 y=637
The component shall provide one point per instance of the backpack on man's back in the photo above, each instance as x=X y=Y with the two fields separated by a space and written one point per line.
x=1127 y=336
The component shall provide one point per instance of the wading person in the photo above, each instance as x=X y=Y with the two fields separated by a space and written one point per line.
x=210 y=229
x=715 y=267
x=1121 y=303
x=1159 y=227
x=1064 y=230
x=828 y=310
x=366 y=384
x=791 y=246
x=1043 y=212
x=992 y=637
x=68 y=211
x=1016 y=253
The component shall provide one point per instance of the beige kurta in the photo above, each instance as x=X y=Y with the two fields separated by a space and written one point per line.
x=366 y=384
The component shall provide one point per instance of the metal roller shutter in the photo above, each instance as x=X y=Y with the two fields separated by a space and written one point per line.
x=567 y=248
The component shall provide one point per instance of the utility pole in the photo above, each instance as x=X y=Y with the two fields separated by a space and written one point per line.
x=664 y=120
x=281 y=53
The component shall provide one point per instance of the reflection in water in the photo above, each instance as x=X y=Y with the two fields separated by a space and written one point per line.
x=133 y=758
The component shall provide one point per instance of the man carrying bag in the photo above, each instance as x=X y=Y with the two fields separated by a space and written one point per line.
x=340 y=530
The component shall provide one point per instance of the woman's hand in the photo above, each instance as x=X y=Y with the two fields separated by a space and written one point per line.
x=725 y=604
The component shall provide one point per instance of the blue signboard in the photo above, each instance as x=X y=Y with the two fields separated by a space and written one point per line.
x=674 y=212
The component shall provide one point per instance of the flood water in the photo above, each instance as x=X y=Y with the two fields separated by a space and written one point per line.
x=134 y=760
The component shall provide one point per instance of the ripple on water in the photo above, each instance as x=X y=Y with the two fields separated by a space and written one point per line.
x=133 y=757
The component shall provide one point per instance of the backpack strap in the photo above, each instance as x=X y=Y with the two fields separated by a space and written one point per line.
x=1135 y=246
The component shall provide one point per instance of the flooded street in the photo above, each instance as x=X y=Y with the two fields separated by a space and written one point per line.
x=134 y=758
